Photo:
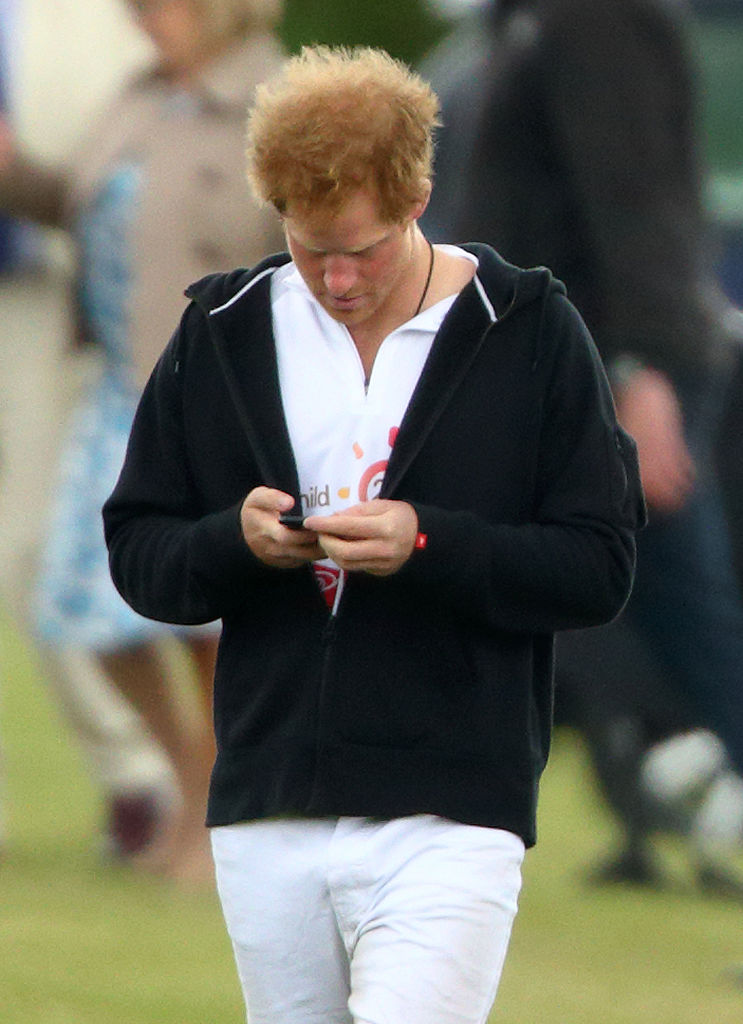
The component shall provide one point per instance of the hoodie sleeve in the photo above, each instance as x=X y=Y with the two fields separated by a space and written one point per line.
x=570 y=563
x=170 y=559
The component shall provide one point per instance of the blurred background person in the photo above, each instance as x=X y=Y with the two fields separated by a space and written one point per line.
x=49 y=103
x=571 y=139
x=155 y=197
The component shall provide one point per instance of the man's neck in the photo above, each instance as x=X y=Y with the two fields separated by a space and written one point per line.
x=408 y=299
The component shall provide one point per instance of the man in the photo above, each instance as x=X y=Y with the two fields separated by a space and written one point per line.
x=439 y=427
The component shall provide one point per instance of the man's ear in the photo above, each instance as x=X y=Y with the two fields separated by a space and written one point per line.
x=419 y=207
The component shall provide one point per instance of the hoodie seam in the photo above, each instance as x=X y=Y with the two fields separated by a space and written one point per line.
x=242 y=291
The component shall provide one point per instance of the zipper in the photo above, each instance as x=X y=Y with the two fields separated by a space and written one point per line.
x=328 y=642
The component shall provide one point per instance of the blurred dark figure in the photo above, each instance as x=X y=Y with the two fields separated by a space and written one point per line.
x=573 y=143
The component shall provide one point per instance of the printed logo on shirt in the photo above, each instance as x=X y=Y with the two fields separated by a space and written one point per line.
x=327 y=577
x=370 y=482
x=316 y=497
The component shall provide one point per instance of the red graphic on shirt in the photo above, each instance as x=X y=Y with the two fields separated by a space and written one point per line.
x=370 y=483
x=327 y=579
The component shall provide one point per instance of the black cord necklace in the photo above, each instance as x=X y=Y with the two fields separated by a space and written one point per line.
x=419 y=307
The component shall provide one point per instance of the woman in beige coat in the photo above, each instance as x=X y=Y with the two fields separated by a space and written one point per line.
x=155 y=199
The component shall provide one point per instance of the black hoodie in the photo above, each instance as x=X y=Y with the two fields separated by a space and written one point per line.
x=430 y=691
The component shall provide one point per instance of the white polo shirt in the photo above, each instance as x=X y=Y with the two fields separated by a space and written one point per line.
x=341 y=429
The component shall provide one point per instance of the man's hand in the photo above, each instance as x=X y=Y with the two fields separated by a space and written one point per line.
x=268 y=539
x=376 y=536
x=648 y=409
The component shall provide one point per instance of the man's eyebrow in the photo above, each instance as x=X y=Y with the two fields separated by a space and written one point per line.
x=345 y=252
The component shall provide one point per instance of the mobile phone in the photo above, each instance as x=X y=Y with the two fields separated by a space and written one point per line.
x=294 y=522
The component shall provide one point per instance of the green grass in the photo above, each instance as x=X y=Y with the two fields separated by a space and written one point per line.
x=85 y=942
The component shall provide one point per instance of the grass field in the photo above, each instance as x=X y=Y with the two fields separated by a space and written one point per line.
x=84 y=942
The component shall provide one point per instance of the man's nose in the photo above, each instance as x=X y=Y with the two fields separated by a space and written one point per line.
x=339 y=275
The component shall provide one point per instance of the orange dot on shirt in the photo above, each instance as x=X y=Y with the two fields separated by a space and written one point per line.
x=358 y=450
x=344 y=492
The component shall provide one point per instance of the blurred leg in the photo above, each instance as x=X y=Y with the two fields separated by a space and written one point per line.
x=686 y=598
x=138 y=672
x=122 y=755
x=136 y=778
x=687 y=605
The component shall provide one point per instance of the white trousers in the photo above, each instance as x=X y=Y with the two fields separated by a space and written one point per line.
x=358 y=921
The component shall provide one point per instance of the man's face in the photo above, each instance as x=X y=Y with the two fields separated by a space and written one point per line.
x=352 y=262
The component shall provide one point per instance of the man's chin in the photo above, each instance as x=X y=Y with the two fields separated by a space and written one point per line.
x=350 y=320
